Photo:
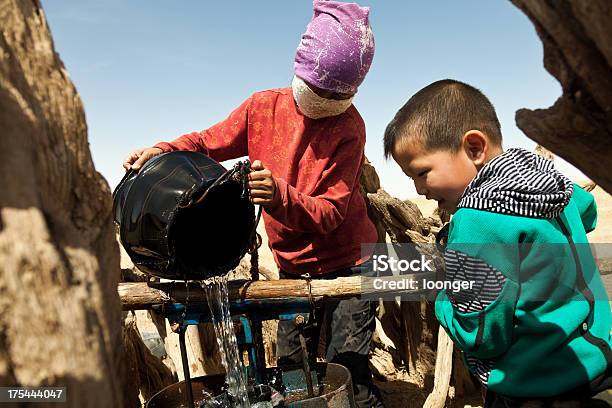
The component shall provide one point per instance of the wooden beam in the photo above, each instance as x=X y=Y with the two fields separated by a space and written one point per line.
x=143 y=295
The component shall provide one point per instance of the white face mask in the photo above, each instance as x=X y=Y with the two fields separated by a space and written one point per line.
x=314 y=106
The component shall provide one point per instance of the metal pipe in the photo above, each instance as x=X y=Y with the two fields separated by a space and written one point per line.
x=189 y=391
x=299 y=321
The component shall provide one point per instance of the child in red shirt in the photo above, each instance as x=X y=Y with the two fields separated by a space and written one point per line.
x=306 y=144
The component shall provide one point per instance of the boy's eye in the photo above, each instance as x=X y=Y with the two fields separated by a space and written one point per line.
x=422 y=173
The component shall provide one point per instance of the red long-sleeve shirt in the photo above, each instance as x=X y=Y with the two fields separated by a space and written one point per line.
x=321 y=220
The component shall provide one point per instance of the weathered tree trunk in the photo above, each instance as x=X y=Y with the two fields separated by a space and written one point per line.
x=59 y=263
x=407 y=324
x=410 y=327
x=577 y=38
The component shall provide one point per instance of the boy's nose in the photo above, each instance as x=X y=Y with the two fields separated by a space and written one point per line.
x=421 y=190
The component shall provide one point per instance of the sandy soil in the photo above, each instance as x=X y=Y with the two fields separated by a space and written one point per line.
x=603 y=231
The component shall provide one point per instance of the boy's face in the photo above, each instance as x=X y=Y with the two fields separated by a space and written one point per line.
x=440 y=175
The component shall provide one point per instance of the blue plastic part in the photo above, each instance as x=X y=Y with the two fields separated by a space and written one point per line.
x=246 y=340
x=257 y=310
x=245 y=312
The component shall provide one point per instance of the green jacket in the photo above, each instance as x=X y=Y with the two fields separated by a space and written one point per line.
x=521 y=326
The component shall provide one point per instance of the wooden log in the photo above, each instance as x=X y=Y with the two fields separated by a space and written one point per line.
x=397 y=216
x=407 y=323
x=59 y=314
x=146 y=372
x=143 y=295
x=578 y=52
x=193 y=346
x=443 y=370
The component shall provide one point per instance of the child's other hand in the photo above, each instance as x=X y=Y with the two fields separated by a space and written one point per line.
x=262 y=186
x=139 y=157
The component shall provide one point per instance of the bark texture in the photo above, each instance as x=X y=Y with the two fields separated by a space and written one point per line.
x=59 y=262
x=147 y=372
x=405 y=345
x=577 y=39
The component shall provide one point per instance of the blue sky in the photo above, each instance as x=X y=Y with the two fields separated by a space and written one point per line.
x=152 y=70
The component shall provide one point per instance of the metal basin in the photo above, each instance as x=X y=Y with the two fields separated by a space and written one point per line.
x=333 y=389
x=173 y=396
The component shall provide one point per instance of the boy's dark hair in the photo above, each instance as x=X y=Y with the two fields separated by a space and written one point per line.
x=439 y=114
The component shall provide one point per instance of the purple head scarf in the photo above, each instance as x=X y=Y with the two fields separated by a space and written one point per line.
x=336 y=50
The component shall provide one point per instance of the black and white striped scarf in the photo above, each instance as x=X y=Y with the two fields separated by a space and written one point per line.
x=521 y=183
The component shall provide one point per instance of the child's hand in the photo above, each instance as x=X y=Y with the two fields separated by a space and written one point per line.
x=262 y=186
x=139 y=157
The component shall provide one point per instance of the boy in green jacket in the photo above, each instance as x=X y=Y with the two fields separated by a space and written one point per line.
x=535 y=324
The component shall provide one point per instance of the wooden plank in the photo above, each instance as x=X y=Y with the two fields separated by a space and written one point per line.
x=143 y=295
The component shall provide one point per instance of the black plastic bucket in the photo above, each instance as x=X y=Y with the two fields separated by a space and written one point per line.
x=183 y=216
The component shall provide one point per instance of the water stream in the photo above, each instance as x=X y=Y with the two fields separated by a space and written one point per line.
x=216 y=293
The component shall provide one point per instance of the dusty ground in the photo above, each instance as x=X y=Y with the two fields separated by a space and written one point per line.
x=603 y=231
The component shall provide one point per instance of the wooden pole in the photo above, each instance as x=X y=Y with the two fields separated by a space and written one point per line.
x=443 y=370
x=143 y=295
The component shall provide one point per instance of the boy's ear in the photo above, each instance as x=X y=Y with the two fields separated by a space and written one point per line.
x=476 y=145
